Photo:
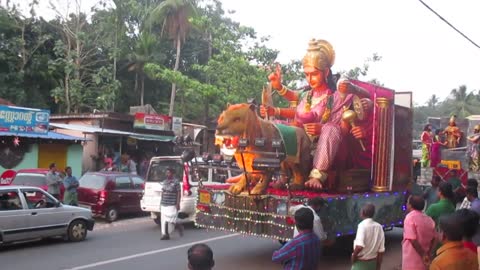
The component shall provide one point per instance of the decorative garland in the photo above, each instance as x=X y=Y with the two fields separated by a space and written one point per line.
x=263 y=214
x=243 y=232
x=245 y=219
x=328 y=110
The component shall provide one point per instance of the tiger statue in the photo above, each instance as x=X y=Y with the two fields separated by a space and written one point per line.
x=242 y=121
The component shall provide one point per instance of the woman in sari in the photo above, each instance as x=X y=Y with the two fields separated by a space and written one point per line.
x=436 y=149
x=474 y=149
x=320 y=108
x=427 y=140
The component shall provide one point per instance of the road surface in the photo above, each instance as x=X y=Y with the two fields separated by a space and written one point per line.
x=135 y=244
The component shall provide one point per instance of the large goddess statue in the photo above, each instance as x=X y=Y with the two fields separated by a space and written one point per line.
x=319 y=111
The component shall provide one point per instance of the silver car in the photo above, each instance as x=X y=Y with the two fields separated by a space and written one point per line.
x=28 y=213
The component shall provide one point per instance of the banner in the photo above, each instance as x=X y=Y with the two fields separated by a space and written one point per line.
x=23 y=120
x=177 y=125
x=152 y=121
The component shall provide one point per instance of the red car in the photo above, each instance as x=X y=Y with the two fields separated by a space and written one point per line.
x=109 y=194
x=34 y=177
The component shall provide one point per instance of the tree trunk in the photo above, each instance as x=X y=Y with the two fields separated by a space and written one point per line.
x=142 y=89
x=115 y=46
x=175 y=68
x=135 y=87
x=67 y=93
x=206 y=100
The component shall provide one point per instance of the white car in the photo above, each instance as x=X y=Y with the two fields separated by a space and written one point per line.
x=28 y=213
x=150 y=201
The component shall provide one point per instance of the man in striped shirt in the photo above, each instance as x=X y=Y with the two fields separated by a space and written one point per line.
x=302 y=252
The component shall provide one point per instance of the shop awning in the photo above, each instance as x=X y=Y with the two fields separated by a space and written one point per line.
x=148 y=137
x=133 y=135
x=89 y=129
x=50 y=136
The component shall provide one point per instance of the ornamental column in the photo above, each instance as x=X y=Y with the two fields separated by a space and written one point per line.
x=382 y=148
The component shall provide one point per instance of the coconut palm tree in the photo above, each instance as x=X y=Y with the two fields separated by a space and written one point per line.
x=461 y=102
x=433 y=101
x=174 y=18
x=144 y=53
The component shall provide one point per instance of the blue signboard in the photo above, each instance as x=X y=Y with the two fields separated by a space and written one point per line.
x=23 y=120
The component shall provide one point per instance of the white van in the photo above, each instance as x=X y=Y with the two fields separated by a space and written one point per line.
x=150 y=201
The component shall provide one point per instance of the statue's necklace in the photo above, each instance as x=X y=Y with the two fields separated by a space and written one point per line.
x=328 y=110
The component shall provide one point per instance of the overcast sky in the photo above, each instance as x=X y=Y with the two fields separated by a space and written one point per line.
x=420 y=52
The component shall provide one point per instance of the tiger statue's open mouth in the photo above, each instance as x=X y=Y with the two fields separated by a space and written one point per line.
x=228 y=144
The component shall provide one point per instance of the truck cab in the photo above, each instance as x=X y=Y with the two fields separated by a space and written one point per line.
x=189 y=177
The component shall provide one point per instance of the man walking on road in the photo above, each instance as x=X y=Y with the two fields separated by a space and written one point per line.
x=302 y=252
x=170 y=204
x=418 y=236
x=53 y=181
x=200 y=257
x=369 y=244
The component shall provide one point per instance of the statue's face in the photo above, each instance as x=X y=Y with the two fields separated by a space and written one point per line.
x=314 y=76
x=232 y=121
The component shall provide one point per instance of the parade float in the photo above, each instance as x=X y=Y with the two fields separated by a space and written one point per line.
x=451 y=144
x=346 y=141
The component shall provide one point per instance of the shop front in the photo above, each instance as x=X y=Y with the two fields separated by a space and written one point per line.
x=113 y=135
x=26 y=141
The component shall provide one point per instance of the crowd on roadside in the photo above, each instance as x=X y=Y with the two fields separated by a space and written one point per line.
x=440 y=233
x=56 y=179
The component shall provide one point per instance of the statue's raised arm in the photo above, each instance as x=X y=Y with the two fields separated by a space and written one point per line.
x=320 y=108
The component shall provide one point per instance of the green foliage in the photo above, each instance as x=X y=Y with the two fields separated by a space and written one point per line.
x=123 y=56
x=460 y=102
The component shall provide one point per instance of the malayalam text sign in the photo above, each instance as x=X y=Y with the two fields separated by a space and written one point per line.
x=23 y=120
x=152 y=121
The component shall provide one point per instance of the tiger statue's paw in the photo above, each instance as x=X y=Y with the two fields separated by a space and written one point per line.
x=236 y=189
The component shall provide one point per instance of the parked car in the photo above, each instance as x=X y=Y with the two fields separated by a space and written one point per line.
x=28 y=212
x=34 y=177
x=109 y=194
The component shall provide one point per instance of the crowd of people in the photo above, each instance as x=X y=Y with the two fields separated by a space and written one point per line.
x=55 y=180
x=437 y=235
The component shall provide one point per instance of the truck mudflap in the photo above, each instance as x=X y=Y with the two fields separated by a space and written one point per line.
x=268 y=215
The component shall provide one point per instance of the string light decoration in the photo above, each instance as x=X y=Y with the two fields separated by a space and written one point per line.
x=267 y=215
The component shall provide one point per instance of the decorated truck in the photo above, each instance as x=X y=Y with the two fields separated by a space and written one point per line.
x=346 y=141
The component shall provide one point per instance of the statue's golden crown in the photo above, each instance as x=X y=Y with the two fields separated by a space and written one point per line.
x=320 y=54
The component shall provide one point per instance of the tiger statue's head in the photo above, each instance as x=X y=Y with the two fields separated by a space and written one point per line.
x=236 y=121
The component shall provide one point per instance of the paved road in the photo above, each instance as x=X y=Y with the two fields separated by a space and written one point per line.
x=135 y=244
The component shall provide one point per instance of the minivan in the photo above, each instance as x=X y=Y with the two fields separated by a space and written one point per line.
x=188 y=175
x=109 y=194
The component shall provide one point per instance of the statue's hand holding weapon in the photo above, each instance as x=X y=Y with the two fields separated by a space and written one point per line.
x=267 y=109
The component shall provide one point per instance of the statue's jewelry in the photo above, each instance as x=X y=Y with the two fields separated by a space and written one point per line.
x=283 y=91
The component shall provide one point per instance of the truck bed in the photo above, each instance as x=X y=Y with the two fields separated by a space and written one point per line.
x=268 y=215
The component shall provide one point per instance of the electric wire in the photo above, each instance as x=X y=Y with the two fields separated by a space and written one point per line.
x=447 y=22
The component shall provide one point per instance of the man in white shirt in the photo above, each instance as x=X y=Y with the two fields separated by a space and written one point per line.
x=314 y=204
x=472 y=182
x=369 y=244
